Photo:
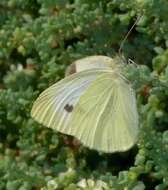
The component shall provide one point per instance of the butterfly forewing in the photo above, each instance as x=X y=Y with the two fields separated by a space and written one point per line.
x=54 y=106
x=91 y=62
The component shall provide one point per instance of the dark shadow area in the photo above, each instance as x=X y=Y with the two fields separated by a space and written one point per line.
x=149 y=181
x=114 y=163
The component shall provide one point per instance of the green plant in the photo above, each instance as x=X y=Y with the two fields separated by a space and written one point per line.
x=38 y=40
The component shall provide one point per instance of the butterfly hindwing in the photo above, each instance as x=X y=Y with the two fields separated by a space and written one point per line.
x=106 y=115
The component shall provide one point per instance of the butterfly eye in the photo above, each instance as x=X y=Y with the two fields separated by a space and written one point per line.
x=68 y=108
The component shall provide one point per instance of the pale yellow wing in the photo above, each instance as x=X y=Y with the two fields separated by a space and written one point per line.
x=105 y=117
x=91 y=62
x=96 y=105
x=54 y=106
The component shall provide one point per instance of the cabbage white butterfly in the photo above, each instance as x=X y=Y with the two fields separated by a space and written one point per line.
x=97 y=105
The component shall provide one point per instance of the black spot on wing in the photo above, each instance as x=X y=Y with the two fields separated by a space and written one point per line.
x=68 y=108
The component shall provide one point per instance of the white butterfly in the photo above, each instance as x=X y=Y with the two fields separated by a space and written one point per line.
x=97 y=105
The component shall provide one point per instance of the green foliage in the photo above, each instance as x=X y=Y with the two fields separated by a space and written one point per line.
x=38 y=39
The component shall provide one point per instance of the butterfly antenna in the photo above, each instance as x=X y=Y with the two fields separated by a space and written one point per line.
x=128 y=33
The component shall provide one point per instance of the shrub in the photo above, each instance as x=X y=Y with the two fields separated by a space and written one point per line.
x=38 y=39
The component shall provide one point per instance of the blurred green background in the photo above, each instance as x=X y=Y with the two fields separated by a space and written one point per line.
x=38 y=40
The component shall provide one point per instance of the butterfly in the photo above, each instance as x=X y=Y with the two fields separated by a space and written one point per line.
x=94 y=103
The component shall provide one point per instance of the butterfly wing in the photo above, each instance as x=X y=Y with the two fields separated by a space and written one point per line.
x=96 y=106
x=91 y=62
x=53 y=108
x=105 y=117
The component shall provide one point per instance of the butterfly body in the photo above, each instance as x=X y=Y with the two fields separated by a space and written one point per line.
x=96 y=104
